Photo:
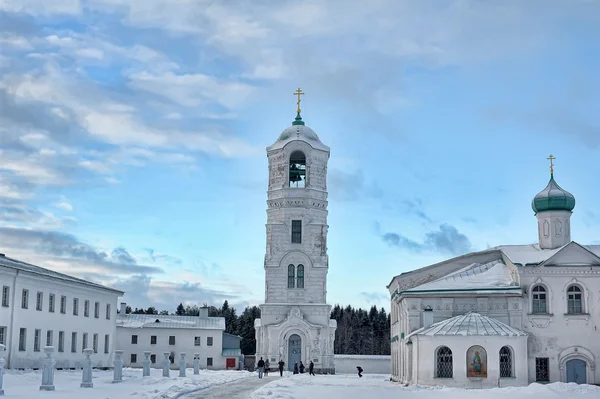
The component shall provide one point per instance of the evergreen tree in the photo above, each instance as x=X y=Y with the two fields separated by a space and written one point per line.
x=180 y=310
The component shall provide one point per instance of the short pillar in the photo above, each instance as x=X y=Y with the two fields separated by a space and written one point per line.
x=196 y=363
x=2 y=361
x=86 y=378
x=146 y=364
x=166 y=364
x=118 y=363
x=48 y=370
x=182 y=364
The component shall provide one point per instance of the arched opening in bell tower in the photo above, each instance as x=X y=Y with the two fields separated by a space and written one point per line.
x=297 y=171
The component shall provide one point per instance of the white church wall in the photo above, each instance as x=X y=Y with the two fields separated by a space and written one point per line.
x=32 y=319
x=557 y=331
x=424 y=360
x=185 y=341
x=371 y=364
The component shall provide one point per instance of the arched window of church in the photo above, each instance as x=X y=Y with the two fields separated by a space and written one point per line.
x=539 y=299
x=574 y=300
x=297 y=172
x=506 y=369
x=444 y=363
x=291 y=276
x=300 y=276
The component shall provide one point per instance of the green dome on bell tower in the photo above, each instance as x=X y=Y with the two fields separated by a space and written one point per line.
x=553 y=197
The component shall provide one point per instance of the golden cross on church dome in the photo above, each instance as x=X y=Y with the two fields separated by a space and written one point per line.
x=298 y=93
x=551 y=158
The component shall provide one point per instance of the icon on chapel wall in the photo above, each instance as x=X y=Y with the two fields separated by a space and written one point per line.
x=476 y=362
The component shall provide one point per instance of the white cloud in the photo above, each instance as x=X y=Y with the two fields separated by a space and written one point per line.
x=42 y=7
x=64 y=205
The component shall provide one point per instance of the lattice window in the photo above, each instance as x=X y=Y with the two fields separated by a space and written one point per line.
x=296 y=231
x=444 y=363
x=539 y=297
x=300 y=276
x=542 y=369
x=574 y=300
x=505 y=362
x=291 y=276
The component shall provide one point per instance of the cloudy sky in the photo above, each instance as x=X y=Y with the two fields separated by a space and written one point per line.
x=133 y=133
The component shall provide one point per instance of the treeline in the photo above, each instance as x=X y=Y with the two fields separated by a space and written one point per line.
x=359 y=332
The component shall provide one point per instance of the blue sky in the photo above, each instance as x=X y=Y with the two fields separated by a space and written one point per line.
x=133 y=134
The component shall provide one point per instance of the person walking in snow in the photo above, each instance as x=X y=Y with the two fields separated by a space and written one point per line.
x=281 y=364
x=311 y=368
x=295 y=367
x=360 y=370
x=267 y=365
x=301 y=367
x=261 y=366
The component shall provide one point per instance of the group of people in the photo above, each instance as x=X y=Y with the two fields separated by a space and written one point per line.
x=264 y=368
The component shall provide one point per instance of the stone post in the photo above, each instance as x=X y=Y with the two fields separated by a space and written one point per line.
x=118 y=363
x=196 y=363
x=166 y=364
x=86 y=379
x=182 y=364
x=2 y=348
x=146 y=364
x=48 y=370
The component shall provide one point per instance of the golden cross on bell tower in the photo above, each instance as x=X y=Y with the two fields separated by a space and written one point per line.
x=298 y=93
x=551 y=158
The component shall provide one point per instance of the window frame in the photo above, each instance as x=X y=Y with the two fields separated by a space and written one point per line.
x=134 y=339
x=75 y=306
x=291 y=276
x=209 y=362
x=508 y=354
x=61 y=341
x=536 y=291
x=172 y=339
x=210 y=341
x=63 y=304
x=106 y=343
x=300 y=276
x=50 y=338
x=3 y=335
x=197 y=341
x=22 y=339
x=84 y=339
x=39 y=301
x=133 y=358
x=302 y=169
x=96 y=310
x=51 y=302
x=95 y=343
x=5 y=296
x=86 y=308
x=296 y=230
x=74 y=342
x=108 y=311
x=439 y=373
x=37 y=340
x=25 y=298
x=539 y=360
x=577 y=290
x=153 y=338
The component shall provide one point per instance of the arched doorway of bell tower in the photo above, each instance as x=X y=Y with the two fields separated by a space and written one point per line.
x=294 y=351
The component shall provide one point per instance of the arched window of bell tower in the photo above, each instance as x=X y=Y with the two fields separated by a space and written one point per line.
x=297 y=170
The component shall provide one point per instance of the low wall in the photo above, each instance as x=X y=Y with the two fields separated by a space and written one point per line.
x=371 y=364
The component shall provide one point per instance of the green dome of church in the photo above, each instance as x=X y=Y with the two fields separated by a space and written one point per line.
x=553 y=198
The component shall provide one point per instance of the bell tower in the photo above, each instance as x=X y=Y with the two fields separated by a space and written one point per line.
x=296 y=260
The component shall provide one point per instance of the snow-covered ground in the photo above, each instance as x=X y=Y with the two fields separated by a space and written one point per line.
x=379 y=386
x=25 y=384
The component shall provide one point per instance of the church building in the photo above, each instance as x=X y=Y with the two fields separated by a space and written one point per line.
x=506 y=316
x=295 y=323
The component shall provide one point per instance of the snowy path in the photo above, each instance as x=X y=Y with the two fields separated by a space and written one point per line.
x=240 y=389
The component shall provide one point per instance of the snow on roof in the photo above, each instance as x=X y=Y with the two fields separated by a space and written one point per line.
x=40 y=271
x=164 y=321
x=472 y=324
x=492 y=275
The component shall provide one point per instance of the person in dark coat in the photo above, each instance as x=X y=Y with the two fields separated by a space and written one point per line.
x=281 y=364
x=360 y=370
x=301 y=367
x=311 y=368
x=295 y=367
x=261 y=366
x=267 y=366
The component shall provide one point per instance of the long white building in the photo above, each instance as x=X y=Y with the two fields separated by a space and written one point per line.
x=137 y=333
x=509 y=315
x=41 y=307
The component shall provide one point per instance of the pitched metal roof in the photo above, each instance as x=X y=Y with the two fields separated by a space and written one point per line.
x=164 y=321
x=40 y=271
x=470 y=324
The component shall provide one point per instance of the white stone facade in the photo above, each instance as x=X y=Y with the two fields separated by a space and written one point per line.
x=295 y=322
x=41 y=307
x=157 y=334
x=549 y=290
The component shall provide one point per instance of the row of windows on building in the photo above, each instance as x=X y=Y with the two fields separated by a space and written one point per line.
x=539 y=300
x=134 y=358
x=49 y=340
x=296 y=276
x=39 y=303
x=154 y=340
x=444 y=364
